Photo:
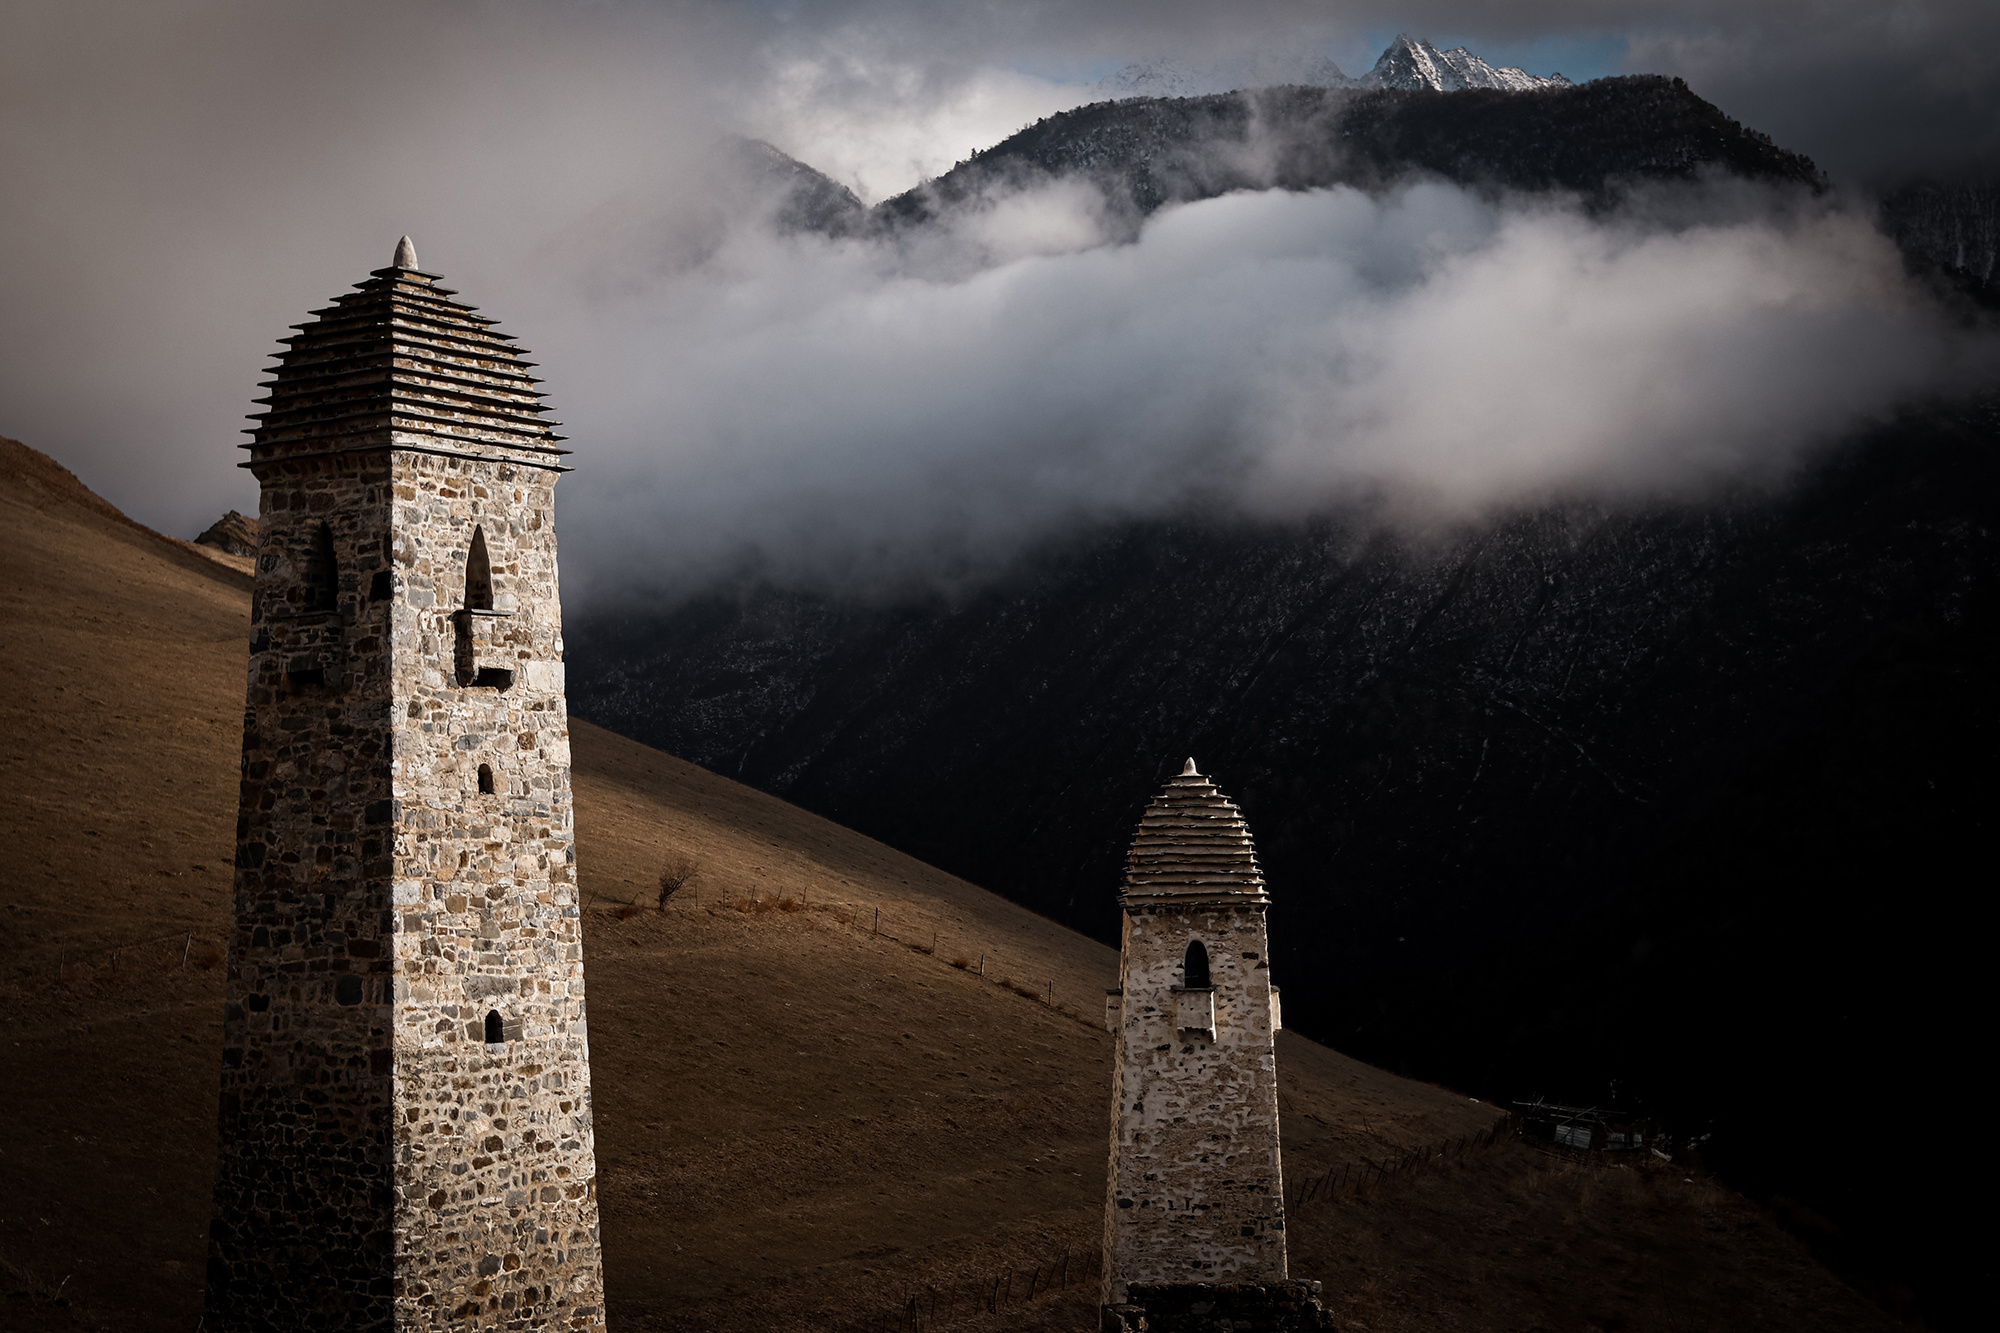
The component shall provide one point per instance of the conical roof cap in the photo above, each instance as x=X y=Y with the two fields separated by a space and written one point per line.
x=1192 y=846
x=398 y=364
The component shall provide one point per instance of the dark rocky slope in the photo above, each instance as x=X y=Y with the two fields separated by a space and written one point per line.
x=1677 y=804
x=1951 y=229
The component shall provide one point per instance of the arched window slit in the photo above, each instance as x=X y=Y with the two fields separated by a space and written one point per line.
x=478 y=574
x=322 y=572
x=486 y=779
x=1194 y=966
x=496 y=1031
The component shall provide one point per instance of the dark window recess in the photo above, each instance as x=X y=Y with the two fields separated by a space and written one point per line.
x=1194 y=967
x=322 y=572
x=485 y=780
x=347 y=990
x=496 y=1031
x=499 y=678
x=478 y=574
x=300 y=678
x=379 y=587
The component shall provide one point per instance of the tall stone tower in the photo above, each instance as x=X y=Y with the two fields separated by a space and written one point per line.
x=1196 y=1195
x=405 y=1122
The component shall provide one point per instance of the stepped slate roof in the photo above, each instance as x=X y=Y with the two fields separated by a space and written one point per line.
x=397 y=363
x=1192 y=846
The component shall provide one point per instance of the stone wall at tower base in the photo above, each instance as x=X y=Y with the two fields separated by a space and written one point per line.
x=1219 y=1307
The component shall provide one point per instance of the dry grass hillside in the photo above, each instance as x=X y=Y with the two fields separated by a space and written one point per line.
x=812 y=1105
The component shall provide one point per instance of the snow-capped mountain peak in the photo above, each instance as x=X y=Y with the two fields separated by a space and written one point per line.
x=1410 y=62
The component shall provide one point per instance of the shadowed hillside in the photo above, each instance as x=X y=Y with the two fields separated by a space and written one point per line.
x=803 y=1116
x=1585 y=801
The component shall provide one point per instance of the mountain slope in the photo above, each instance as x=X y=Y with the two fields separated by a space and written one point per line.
x=1952 y=229
x=802 y=1117
x=1453 y=754
x=1146 y=153
x=793 y=195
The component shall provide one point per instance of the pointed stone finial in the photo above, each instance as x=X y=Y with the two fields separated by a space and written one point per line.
x=1187 y=770
x=406 y=254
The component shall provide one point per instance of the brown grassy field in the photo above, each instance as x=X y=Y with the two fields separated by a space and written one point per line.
x=811 y=1104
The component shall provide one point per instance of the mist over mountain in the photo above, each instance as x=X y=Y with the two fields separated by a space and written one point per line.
x=1261 y=303
x=1572 y=791
x=796 y=197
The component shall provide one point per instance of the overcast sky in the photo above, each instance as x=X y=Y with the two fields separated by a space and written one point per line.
x=179 y=182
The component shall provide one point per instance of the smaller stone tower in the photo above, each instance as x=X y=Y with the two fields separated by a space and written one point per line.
x=1196 y=1195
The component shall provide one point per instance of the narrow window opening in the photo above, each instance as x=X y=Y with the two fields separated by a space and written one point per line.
x=499 y=678
x=302 y=678
x=379 y=587
x=322 y=572
x=478 y=574
x=1194 y=967
x=485 y=780
x=496 y=1032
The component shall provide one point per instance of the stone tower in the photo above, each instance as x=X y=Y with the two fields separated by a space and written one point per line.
x=1195 y=1192
x=405 y=1122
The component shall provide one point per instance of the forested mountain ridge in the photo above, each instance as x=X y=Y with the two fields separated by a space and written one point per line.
x=1145 y=153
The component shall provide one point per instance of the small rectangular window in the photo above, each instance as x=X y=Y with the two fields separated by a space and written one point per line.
x=499 y=678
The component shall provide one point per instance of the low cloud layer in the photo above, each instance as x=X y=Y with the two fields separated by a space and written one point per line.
x=186 y=178
x=849 y=411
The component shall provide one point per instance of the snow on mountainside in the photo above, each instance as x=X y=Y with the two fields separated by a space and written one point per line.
x=1175 y=78
x=1413 y=63
x=1408 y=63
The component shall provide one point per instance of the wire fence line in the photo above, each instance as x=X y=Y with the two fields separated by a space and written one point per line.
x=919 y=1309
x=1356 y=1176
x=1012 y=970
x=67 y=958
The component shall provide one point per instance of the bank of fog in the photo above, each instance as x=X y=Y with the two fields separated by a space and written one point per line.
x=864 y=410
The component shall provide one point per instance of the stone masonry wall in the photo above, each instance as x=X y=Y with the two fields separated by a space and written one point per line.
x=304 y=1185
x=496 y=1211
x=383 y=1165
x=1196 y=1192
